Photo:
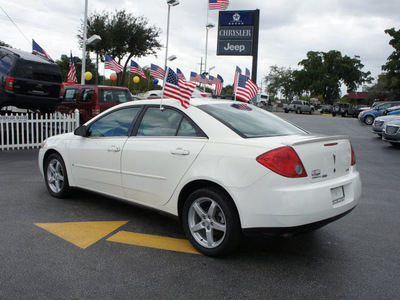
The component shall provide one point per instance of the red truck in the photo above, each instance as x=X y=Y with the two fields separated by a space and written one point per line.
x=91 y=100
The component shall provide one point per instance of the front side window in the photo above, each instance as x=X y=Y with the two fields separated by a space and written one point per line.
x=249 y=121
x=70 y=95
x=114 y=124
x=166 y=122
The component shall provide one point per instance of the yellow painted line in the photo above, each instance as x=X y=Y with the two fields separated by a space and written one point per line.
x=82 y=234
x=153 y=241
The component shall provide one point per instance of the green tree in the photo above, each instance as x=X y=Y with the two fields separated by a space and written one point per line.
x=392 y=66
x=324 y=73
x=123 y=36
x=4 y=44
x=63 y=64
x=280 y=79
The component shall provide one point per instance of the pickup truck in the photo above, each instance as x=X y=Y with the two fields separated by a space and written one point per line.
x=299 y=107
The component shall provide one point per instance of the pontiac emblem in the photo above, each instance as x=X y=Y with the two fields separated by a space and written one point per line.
x=334 y=163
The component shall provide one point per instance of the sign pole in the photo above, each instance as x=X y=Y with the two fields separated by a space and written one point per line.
x=255 y=45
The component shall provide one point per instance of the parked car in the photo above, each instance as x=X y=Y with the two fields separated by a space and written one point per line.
x=299 y=107
x=395 y=110
x=325 y=109
x=91 y=100
x=360 y=108
x=343 y=109
x=368 y=116
x=391 y=132
x=380 y=123
x=155 y=94
x=28 y=81
x=282 y=179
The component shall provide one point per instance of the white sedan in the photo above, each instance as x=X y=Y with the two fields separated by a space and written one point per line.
x=223 y=167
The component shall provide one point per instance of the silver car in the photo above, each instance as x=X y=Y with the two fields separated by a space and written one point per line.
x=380 y=123
x=391 y=133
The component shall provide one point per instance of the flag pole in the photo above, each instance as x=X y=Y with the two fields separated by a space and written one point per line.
x=165 y=80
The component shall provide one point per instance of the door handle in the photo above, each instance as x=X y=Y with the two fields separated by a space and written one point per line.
x=180 y=151
x=113 y=149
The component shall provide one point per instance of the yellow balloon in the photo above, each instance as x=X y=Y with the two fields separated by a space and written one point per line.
x=136 y=79
x=87 y=76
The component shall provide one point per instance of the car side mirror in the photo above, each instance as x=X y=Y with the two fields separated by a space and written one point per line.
x=81 y=131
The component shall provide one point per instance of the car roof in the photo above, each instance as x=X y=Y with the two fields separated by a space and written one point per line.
x=27 y=55
x=176 y=103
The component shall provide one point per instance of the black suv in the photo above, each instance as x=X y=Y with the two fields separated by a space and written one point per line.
x=28 y=81
x=343 y=109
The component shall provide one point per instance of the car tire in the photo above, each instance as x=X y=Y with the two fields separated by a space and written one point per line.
x=211 y=222
x=333 y=114
x=344 y=114
x=369 y=120
x=286 y=111
x=311 y=112
x=298 y=111
x=55 y=175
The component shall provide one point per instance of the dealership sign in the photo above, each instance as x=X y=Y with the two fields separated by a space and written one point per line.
x=236 y=33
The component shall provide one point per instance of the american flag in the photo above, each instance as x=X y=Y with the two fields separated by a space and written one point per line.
x=177 y=88
x=39 y=50
x=241 y=106
x=246 y=88
x=180 y=74
x=235 y=81
x=219 y=86
x=187 y=88
x=218 y=4
x=204 y=79
x=72 y=71
x=136 y=69
x=111 y=64
x=157 y=72
x=194 y=77
x=247 y=72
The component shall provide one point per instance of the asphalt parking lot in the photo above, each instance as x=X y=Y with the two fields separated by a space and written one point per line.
x=356 y=257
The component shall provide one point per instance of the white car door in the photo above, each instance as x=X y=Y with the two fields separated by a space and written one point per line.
x=96 y=159
x=155 y=160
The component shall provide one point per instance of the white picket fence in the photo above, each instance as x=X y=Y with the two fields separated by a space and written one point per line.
x=28 y=131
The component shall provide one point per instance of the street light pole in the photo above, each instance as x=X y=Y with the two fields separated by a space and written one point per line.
x=84 y=43
x=170 y=3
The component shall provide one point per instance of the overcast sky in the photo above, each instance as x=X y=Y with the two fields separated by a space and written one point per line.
x=288 y=30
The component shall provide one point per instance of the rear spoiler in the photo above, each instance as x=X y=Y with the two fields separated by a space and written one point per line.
x=321 y=138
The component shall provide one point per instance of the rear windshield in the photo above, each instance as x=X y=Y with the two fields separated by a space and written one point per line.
x=114 y=96
x=249 y=121
x=37 y=71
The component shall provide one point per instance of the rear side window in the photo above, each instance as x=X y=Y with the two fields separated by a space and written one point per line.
x=5 y=63
x=70 y=95
x=249 y=121
x=37 y=71
x=86 y=95
x=167 y=122
x=114 y=96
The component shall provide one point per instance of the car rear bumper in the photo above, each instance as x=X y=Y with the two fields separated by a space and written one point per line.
x=287 y=206
x=30 y=102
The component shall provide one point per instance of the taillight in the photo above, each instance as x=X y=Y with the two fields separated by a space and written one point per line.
x=283 y=161
x=353 y=155
x=10 y=83
x=203 y=95
x=95 y=110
